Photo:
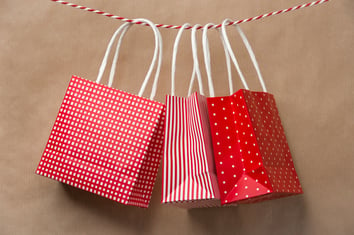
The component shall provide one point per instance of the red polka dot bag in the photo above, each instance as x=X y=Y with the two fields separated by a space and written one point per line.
x=107 y=141
x=251 y=153
x=189 y=175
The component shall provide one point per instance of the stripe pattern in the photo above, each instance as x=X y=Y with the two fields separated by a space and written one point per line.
x=189 y=177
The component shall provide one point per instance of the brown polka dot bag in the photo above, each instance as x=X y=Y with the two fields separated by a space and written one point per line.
x=189 y=176
x=107 y=141
x=251 y=153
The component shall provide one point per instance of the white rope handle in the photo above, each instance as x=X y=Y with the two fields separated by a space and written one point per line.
x=206 y=52
x=174 y=55
x=102 y=68
x=157 y=57
x=116 y=54
x=253 y=57
x=250 y=52
x=158 y=51
x=196 y=70
x=228 y=63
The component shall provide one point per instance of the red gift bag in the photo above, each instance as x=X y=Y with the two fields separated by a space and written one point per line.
x=189 y=177
x=252 y=156
x=107 y=141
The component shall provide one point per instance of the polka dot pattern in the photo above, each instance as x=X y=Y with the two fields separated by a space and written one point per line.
x=272 y=142
x=252 y=156
x=107 y=142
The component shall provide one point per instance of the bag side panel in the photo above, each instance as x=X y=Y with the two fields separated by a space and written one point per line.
x=142 y=190
x=272 y=142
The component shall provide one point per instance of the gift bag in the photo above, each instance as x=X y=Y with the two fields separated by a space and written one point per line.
x=107 y=141
x=189 y=177
x=252 y=156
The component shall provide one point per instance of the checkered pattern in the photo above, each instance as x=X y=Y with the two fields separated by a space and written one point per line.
x=107 y=142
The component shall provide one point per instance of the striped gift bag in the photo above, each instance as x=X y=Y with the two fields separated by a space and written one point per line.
x=189 y=178
x=252 y=156
x=107 y=141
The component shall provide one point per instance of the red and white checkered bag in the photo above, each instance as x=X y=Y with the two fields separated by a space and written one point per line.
x=107 y=141
x=189 y=177
x=252 y=156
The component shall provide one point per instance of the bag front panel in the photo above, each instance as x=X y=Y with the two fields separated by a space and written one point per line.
x=240 y=169
x=99 y=140
x=188 y=176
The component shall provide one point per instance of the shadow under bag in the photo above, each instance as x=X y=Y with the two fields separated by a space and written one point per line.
x=107 y=141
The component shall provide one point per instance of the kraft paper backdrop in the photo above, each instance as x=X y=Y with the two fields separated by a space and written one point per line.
x=307 y=62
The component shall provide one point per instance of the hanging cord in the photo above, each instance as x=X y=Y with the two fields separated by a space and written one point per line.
x=136 y=21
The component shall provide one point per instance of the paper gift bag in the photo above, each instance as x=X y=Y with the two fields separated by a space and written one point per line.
x=252 y=156
x=107 y=141
x=189 y=177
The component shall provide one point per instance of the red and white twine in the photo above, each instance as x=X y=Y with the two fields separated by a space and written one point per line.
x=310 y=4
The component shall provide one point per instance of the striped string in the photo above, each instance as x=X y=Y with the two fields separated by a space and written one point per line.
x=135 y=21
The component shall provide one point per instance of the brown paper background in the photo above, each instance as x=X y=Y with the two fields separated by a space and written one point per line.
x=306 y=58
